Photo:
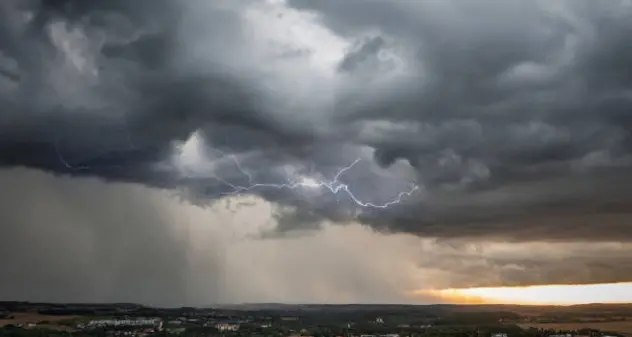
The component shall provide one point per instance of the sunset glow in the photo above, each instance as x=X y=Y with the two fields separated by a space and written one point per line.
x=547 y=294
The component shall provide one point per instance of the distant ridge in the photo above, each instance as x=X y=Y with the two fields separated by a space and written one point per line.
x=351 y=306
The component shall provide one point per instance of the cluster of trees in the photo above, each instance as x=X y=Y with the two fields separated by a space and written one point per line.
x=13 y=331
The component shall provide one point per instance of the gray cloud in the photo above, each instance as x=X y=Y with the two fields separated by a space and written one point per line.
x=515 y=124
x=509 y=115
x=367 y=49
x=464 y=264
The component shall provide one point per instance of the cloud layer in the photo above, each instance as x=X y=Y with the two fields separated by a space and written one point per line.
x=510 y=116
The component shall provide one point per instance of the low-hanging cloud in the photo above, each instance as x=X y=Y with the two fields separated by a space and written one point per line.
x=510 y=116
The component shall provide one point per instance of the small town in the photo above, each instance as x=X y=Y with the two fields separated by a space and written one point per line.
x=26 y=319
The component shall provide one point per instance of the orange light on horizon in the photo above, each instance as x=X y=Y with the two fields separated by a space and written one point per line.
x=538 y=295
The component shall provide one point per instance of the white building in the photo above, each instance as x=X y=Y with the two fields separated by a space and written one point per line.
x=226 y=327
x=176 y=331
x=126 y=322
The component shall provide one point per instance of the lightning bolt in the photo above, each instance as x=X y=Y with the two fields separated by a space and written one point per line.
x=335 y=186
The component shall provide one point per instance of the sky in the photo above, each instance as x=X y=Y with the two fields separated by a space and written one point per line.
x=191 y=152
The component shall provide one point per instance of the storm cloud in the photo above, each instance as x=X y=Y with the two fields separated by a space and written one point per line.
x=511 y=117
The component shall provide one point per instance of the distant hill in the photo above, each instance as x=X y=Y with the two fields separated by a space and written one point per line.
x=594 y=308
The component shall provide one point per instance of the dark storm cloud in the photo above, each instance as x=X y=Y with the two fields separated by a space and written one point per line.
x=119 y=121
x=512 y=114
x=589 y=207
x=518 y=119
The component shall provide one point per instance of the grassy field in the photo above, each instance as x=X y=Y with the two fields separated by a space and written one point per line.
x=32 y=317
x=623 y=327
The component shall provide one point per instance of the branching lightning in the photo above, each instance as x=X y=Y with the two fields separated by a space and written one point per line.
x=334 y=186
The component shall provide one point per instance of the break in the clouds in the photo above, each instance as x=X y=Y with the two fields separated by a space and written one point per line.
x=510 y=117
